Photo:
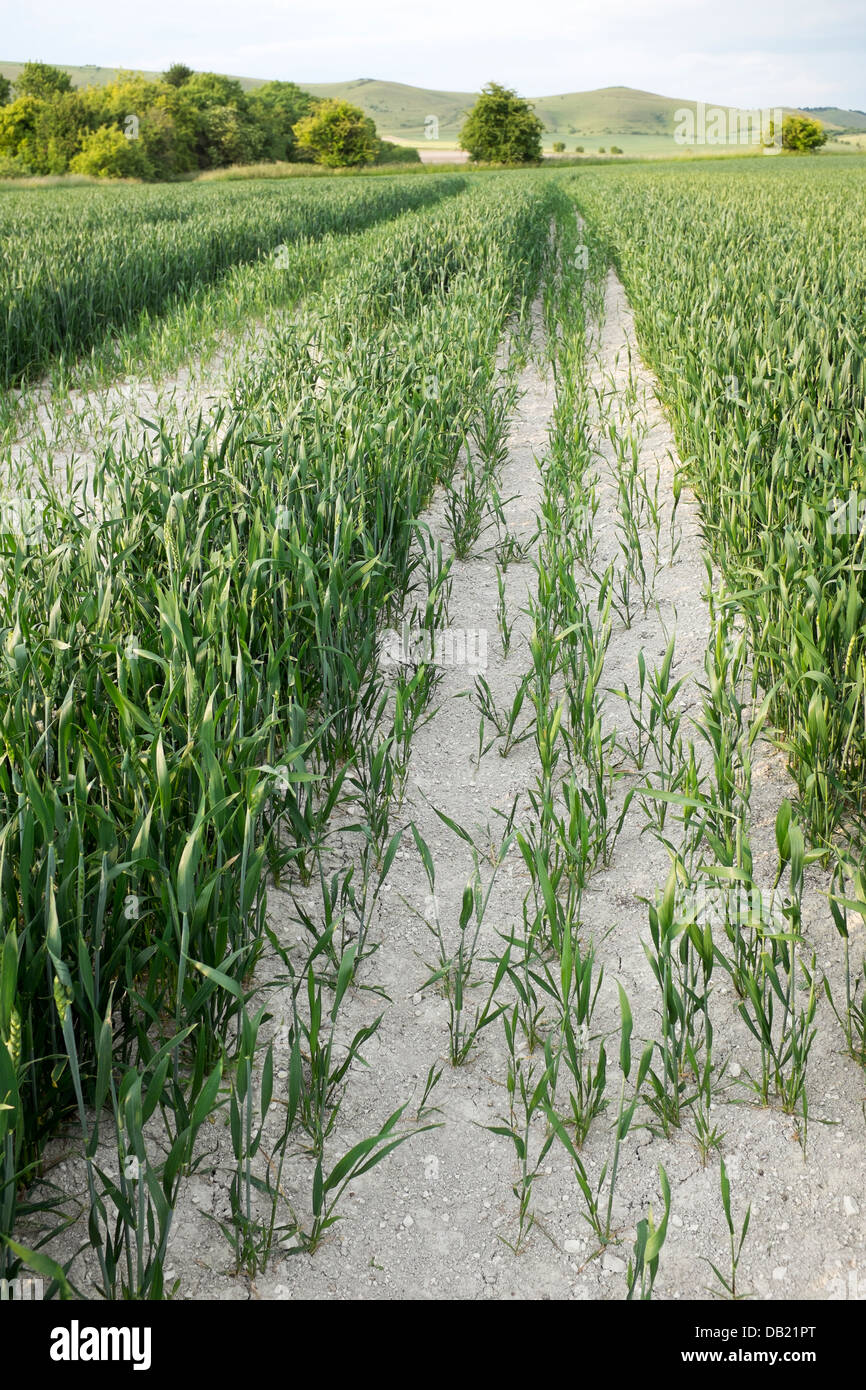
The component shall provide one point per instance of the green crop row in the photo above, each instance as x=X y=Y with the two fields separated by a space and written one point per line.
x=76 y=263
x=190 y=649
x=748 y=284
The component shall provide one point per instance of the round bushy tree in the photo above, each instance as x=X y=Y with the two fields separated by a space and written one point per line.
x=226 y=132
x=40 y=137
x=177 y=74
x=42 y=80
x=107 y=154
x=338 y=134
x=802 y=133
x=502 y=128
x=278 y=106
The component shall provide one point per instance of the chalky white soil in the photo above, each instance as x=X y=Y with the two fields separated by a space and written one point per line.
x=77 y=430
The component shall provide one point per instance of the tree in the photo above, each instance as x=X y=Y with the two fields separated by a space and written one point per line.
x=558 y=146
x=41 y=80
x=40 y=137
x=227 y=133
x=212 y=89
x=802 y=133
x=277 y=107
x=177 y=74
x=229 y=137
x=58 y=130
x=167 y=125
x=338 y=135
x=107 y=154
x=18 y=133
x=168 y=135
x=5 y=90
x=502 y=128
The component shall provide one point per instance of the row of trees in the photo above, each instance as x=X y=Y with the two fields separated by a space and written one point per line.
x=559 y=148
x=180 y=123
x=185 y=121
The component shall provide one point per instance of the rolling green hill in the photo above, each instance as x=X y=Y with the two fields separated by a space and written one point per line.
x=833 y=117
x=400 y=110
x=639 y=122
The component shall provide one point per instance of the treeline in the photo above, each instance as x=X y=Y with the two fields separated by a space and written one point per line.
x=183 y=122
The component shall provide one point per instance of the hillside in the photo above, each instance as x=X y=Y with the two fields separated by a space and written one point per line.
x=398 y=109
x=834 y=117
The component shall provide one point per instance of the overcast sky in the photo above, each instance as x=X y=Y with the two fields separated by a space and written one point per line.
x=732 y=52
